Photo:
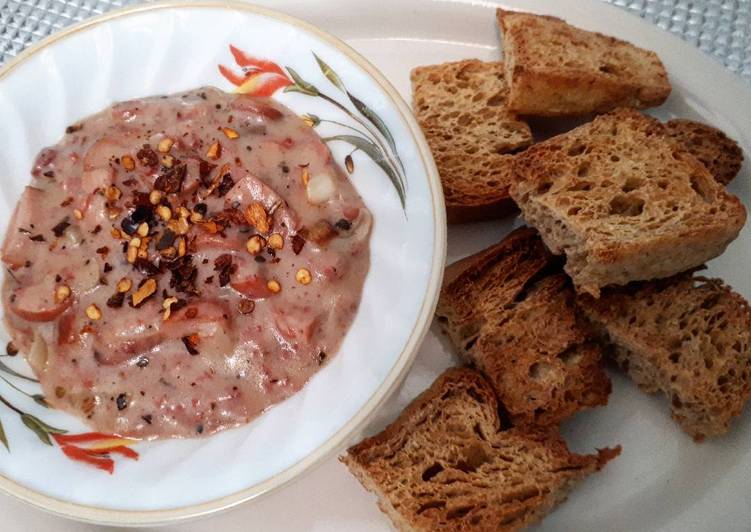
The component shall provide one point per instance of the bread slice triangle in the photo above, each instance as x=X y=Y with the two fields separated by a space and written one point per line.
x=556 y=69
x=509 y=310
x=623 y=202
x=447 y=464
x=461 y=108
x=688 y=337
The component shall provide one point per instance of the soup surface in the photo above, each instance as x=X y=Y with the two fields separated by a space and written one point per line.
x=181 y=263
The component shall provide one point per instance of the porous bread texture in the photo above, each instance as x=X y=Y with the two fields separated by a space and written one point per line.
x=688 y=337
x=719 y=154
x=461 y=108
x=446 y=464
x=555 y=69
x=510 y=311
x=623 y=202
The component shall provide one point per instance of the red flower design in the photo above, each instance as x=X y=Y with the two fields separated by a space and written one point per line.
x=259 y=77
x=98 y=449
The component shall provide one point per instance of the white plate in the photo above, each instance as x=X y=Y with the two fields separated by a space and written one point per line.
x=662 y=481
x=168 y=48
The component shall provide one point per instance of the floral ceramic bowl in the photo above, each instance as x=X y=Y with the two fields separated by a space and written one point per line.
x=50 y=459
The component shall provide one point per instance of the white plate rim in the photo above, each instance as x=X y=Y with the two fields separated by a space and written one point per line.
x=95 y=515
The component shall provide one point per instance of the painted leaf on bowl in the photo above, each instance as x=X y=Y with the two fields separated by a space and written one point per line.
x=3 y=437
x=4 y=368
x=330 y=74
x=372 y=151
x=300 y=85
x=361 y=106
x=374 y=119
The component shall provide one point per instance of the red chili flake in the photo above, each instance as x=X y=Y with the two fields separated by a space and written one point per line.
x=223 y=264
x=225 y=185
x=103 y=251
x=60 y=228
x=191 y=344
x=96 y=229
x=67 y=201
x=148 y=156
x=166 y=240
x=116 y=300
x=37 y=238
x=146 y=267
x=297 y=244
x=107 y=267
x=74 y=128
x=171 y=181
x=205 y=169
x=191 y=313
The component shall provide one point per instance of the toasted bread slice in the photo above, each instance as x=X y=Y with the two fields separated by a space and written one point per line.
x=446 y=465
x=510 y=311
x=688 y=337
x=720 y=154
x=555 y=69
x=623 y=202
x=461 y=108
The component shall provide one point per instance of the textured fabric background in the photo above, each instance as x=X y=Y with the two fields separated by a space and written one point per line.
x=721 y=28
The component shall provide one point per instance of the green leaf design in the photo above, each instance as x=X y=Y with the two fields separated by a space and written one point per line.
x=300 y=84
x=3 y=438
x=330 y=74
x=40 y=400
x=375 y=153
x=380 y=125
x=37 y=427
x=14 y=373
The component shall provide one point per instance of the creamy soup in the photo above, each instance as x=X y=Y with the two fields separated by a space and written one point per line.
x=181 y=263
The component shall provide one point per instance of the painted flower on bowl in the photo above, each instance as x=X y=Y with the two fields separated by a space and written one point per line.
x=259 y=77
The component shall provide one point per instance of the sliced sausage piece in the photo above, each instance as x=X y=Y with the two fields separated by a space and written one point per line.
x=18 y=248
x=252 y=286
x=139 y=334
x=295 y=323
x=37 y=302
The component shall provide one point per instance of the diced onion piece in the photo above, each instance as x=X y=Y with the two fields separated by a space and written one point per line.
x=73 y=235
x=320 y=188
x=38 y=354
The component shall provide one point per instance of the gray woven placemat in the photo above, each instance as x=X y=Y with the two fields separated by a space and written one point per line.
x=721 y=28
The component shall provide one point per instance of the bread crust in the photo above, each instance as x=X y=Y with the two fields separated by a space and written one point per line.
x=719 y=154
